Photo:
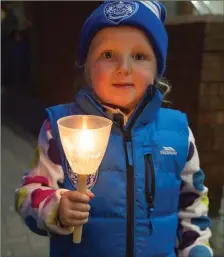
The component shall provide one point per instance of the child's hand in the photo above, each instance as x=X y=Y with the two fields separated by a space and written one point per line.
x=74 y=208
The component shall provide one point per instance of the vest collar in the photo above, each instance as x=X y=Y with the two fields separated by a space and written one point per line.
x=145 y=112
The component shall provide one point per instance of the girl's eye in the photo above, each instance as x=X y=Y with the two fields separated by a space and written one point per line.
x=139 y=57
x=107 y=55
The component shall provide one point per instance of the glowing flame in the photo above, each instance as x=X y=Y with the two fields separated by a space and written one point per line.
x=85 y=139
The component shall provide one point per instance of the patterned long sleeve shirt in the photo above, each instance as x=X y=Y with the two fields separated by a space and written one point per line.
x=37 y=200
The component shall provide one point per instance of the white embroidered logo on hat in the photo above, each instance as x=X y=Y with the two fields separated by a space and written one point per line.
x=118 y=11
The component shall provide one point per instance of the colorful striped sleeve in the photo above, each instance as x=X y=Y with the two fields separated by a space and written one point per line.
x=37 y=199
x=193 y=232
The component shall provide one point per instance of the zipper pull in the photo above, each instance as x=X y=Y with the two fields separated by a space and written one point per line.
x=150 y=210
x=151 y=228
x=150 y=202
x=127 y=136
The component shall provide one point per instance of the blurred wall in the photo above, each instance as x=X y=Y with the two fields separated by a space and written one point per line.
x=211 y=109
x=195 y=69
x=184 y=67
x=177 y=8
x=55 y=36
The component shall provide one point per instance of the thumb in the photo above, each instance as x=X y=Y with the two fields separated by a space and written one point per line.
x=89 y=193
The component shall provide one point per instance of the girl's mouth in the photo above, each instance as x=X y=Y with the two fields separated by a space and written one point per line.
x=123 y=85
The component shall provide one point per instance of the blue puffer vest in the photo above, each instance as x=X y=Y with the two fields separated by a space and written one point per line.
x=134 y=212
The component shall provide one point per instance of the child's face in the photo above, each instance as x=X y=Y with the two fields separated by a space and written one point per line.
x=121 y=64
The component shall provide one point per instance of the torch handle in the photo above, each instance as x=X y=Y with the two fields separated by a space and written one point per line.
x=82 y=187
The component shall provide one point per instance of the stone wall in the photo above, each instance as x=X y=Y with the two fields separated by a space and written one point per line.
x=211 y=109
x=195 y=69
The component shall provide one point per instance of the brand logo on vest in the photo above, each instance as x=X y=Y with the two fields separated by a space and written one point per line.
x=118 y=11
x=73 y=177
x=168 y=151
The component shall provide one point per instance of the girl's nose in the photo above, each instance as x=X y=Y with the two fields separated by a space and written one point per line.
x=124 y=66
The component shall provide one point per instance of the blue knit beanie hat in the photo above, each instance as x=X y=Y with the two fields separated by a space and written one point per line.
x=146 y=15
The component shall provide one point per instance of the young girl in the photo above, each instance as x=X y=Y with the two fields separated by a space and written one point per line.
x=148 y=191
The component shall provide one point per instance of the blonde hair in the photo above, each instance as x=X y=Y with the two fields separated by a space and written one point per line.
x=164 y=87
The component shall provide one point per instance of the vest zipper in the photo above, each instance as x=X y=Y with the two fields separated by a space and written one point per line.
x=130 y=199
x=119 y=121
x=149 y=191
x=130 y=179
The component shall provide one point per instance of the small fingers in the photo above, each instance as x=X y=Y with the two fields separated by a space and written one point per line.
x=82 y=207
x=76 y=196
x=78 y=215
x=74 y=222
x=80 y=222
x=90 y=194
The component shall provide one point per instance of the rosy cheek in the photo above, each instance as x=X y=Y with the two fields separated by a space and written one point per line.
x=101 y=70
x=105 y=65
x=148 y=75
